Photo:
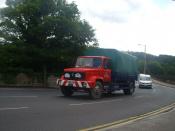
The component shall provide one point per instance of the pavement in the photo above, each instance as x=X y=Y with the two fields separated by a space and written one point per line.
x=162 y=122
x=164 y=84
x=26 y=109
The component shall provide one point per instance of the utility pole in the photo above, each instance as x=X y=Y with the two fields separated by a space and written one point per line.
x=145 y=60
x=144 y=70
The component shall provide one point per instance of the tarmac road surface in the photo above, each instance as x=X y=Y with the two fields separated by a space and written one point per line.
x=27 y=109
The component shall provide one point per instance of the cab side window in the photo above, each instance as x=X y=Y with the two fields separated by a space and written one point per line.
x=107 y=64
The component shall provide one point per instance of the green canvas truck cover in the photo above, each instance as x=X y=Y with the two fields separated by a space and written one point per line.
x=121 y=62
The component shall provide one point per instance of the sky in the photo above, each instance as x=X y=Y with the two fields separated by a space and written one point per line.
x=128 y=25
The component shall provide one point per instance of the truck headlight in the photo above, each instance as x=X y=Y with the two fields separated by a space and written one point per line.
x=78 y=75
x=67 y=75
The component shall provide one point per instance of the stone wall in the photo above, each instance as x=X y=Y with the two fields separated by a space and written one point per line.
x=24 y=80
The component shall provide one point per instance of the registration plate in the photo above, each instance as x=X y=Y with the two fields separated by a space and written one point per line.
x=70 y=83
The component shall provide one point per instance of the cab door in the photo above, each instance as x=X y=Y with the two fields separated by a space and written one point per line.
x=107 y=70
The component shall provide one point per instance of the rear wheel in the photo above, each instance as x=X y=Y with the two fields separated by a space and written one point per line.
x=109 y=92
x=66 y=91
x=130 y=90
x=96 y=92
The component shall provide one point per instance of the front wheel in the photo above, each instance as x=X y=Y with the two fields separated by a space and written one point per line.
x=130 y=90
x=66 y=91
x=96 y=92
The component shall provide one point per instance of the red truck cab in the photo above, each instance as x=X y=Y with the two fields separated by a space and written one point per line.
x=90 y=74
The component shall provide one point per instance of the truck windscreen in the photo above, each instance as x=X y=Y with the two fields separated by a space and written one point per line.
x=88 y=62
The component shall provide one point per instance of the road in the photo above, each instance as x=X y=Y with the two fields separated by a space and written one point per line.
x=47 y=110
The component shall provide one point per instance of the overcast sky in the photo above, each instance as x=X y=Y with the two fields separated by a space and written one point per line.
x=123 y=24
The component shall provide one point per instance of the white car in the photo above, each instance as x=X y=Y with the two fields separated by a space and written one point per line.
x=144 y=81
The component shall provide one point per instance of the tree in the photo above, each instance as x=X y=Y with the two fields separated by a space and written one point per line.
x=161 y=67
x=155 y=68
x=43 y=33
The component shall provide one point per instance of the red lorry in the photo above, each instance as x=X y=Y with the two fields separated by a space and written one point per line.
x=97 y=74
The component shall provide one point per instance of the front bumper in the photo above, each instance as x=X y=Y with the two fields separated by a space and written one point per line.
x=145 y=85
x=75 y=83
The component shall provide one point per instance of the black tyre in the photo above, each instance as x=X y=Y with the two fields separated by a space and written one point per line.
x=130 y=90
x=67 y=91
x=96 y=92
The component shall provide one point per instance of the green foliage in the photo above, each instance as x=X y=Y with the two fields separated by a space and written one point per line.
x=162 y=66
x=41 y=33
x=140 y=65
x=155 y=68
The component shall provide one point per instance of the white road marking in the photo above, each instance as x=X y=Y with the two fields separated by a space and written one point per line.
x=12 y=108
x=144 y=96
x=90 y=103
x=59 y=95
x=139 y=97
x=18 y=96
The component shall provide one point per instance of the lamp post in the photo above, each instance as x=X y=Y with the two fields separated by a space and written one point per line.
x=144 y=70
